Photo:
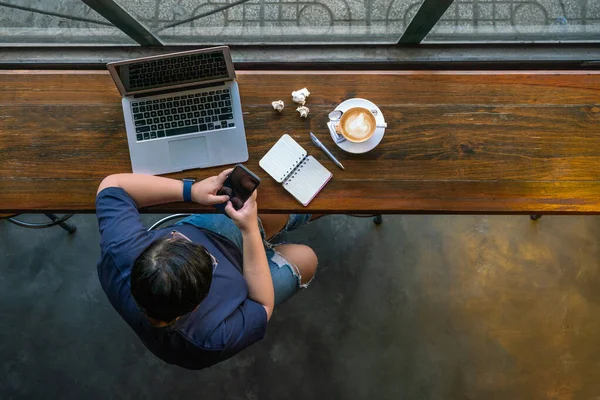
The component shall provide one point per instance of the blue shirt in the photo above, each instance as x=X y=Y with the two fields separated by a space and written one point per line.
x=224 y=323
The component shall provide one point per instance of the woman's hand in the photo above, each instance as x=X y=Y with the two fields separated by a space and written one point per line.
x=246 y=218
x=205 y=191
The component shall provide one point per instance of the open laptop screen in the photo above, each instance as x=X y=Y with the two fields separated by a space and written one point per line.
x=173 y=70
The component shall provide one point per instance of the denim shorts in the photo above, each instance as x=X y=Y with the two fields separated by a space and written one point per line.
x=286 y=276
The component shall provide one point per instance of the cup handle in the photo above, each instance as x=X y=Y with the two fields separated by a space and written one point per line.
x=384 y=125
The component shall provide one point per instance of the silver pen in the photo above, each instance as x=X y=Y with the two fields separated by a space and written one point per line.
x=320 y=145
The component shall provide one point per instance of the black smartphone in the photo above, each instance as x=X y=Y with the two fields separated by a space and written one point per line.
x=239 y=186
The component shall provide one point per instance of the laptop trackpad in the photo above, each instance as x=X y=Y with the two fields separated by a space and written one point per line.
x=189 y=152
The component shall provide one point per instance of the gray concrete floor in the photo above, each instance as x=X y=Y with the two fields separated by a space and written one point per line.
x=421 y=307
x=319 y=21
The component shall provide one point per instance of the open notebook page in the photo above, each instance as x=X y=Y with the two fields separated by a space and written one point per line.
x=283 y=157
x=308 y=180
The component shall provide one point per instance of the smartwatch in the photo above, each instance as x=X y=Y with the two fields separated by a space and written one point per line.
x=187 y=188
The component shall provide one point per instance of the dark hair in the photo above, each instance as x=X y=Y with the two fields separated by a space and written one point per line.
x=170 y=278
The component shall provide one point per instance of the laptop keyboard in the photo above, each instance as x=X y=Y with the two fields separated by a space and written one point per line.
x=177 y=70
x=178 y=115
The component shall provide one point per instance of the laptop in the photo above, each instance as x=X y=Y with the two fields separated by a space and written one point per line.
x=182 y=110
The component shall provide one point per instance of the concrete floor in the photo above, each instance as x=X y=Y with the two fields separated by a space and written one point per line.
x=293 y=21
x=421 y=307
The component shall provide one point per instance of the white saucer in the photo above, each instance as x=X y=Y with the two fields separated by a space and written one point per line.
x=359 y=148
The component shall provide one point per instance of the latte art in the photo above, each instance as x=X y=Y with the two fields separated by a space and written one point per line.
x=357 y=124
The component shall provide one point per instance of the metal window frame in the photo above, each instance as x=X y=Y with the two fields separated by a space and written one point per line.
x=424 y=20
x=383 y=57
x=52 y=13
x=124 y=21
x=409 y=52
x=428 y=14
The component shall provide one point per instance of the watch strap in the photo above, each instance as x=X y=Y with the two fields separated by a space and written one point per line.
x=187 y=189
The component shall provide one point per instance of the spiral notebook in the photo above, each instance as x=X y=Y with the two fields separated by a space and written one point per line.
x=300 y=174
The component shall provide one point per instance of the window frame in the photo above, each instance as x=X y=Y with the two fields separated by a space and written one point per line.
x=319 y=57
x=410 y=52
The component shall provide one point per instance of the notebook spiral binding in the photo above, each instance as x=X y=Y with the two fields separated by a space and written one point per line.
x=298 y=161
x=295 y=170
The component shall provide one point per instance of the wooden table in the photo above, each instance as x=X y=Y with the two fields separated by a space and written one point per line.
x=457 y=142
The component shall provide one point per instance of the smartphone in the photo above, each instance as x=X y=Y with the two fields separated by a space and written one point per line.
x=239 y=186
